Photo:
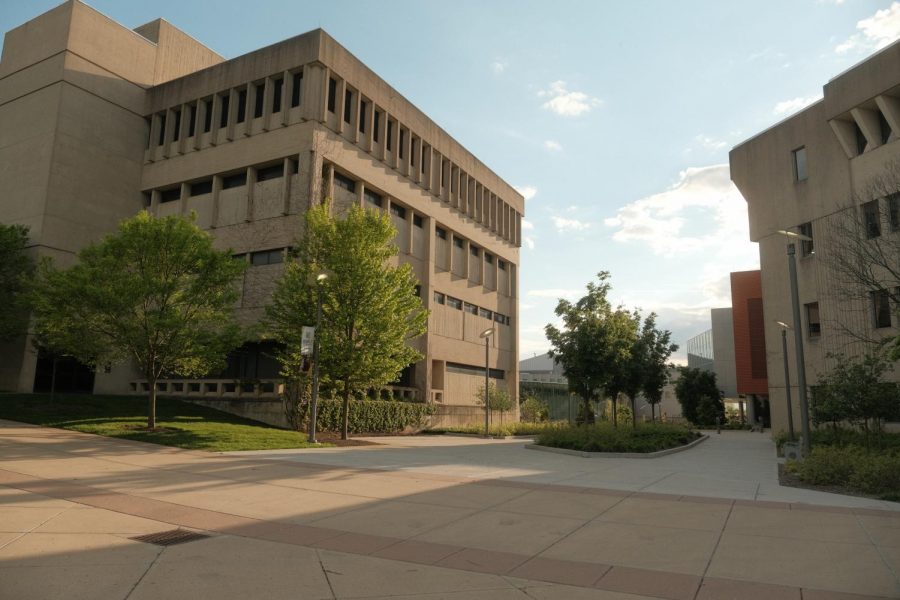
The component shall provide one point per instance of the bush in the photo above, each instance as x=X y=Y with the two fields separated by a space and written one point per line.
x=372 y=416
x=648 y=437
x=499 y=430
x=533 y=410
x=853 y=467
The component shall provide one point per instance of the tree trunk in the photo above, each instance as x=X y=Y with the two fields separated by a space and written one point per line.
x=151 y=408
x=615 y=411
x=345 y=413
x=633 y=413
x=588 y=412
x=652 y=412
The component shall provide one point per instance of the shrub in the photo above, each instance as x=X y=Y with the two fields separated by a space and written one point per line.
x=499 y=430
x=854 y=467
x=648 y=437
x=533 y=410
x=372 y=416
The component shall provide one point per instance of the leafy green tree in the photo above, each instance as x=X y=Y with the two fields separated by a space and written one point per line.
x=533 y=410
x=155 y=292
x=16 y=270
x=497 y=399
x=370 y=309
x=593 y=342
x=645 y=371
x=693 y=386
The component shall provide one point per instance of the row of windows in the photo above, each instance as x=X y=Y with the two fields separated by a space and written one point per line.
x=205 y=186
x=260 y=258
x=441 y=298
x=871 y=221
x=464 y=369
x=880 y=307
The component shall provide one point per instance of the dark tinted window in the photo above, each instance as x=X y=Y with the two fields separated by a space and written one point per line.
x=273 y=172
x=233 y=181
x=295 y=88
x=170 y=195
x=332 y=92
x=201 y=187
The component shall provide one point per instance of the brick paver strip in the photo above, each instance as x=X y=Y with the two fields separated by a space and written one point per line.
x=425 y=553
x=823 y=595
x=730 y=589
x=567 y=572
x=483 y=561
x=643 y=582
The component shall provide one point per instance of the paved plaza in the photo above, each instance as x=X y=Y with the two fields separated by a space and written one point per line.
x=428 y=517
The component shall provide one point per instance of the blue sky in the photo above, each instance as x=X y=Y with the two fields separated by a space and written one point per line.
x=614 y=119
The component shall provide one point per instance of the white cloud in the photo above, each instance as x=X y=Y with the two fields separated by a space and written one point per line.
x=794 y=104
x=527 y=191
x=710 y=143
x=527 y=225
x=529 y=242
x=498 y=66
x=555 y=293
x=562 y=224
x=552 y=146
x=875 y=32
x=566 y=103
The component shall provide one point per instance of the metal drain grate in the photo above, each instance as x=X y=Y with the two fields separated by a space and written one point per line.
x=170 y=538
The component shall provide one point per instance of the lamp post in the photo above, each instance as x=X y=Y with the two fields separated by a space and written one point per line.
x=798 y=335
x=314 y=396
x=787 y=378
x=486 y=334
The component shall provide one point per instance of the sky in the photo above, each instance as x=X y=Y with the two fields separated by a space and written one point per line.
x=613 y=119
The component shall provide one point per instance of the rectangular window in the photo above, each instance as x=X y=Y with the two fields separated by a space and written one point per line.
x=470 y=308
x=241 y=257
x=473 y=250
x=162 y=129
x=176 y=133
x=295 y=88
x=201 y=187
x=499 y=318
x=233 y=181
x=267 y=257
x=872 y=219
x=207 y=117
x=799 y=156
x=277 y=90
x=439 y=297
x=390 y=134
x=813 y=325
x=894 y=211
x=483 y=312
x=424 y=158
x=242 y=106
x=502 y=265
x=440 y=232
x=417 y=221
x=881 y=308
x=342 y=181
x=402 y=143
x=443 y=173
x=398 y=211
x=376 y=126
x=413 y=151
x=807 y=247
x=259 y=97
x=454 y=303
x=192 y=123
x=332 y=92
x=267 y=173
x=373 y=198
x=457 y=242
x=348 y=105
x=489 y=258
x=224 y=103
x=363 y=109
x=170 y=195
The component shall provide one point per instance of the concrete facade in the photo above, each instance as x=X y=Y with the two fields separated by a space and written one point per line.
x=713 y=350
x=100 y=121
x=810 y=174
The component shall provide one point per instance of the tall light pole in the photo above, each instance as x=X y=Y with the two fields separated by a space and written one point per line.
x=787 y=378
x=798 y=334
x=314 y=397
x=486 y=334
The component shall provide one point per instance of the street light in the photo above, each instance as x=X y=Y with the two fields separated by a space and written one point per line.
x=787 y=377
x=314 y=397
x=486 y=334
x=798 y=335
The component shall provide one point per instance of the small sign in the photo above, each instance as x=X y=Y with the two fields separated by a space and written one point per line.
x=307 y=336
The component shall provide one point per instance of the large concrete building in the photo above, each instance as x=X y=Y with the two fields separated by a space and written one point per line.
x=99 y=121
x=819 y=173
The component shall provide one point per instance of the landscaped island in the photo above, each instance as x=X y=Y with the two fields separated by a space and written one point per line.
x=603 y=437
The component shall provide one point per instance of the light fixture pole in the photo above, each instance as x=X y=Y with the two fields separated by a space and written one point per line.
x=798 y=335
x=787 y=378
x=486 y=334
x=314 y=396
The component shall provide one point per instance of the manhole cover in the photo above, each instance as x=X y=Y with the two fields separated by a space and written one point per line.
x=170 y=538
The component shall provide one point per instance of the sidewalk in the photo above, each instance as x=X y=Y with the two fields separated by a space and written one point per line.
x=69 y=503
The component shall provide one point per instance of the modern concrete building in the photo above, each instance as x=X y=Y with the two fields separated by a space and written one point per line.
x=99 y=121
x=713 y=350
x=818 y=173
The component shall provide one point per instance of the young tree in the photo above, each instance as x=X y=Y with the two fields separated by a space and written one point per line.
x=646 y=369
x=370 y=308
x=592 y=343
x=497 y=399
x=691 y=389
x=155 y=292
x=16 y=269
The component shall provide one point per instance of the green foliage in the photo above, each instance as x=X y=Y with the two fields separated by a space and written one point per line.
x=372 y=416
x=497 y=399
x=533 y=410
x=498 y=430
x=370 y=309
x=16 y=270
x=853 y=467
x=155 y=292
x=623 y=413
x=698 y=394
x=602 y=437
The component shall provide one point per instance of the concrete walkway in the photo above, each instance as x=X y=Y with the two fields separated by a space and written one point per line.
x=417 y=518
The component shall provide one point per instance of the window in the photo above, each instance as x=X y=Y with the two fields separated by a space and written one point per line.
x=177 y=128
x=295 y=88
x=489 y=258
x=162 y=129
x=417 y=221
x=192 y=122
x=413 y=151
x=457 y=242
x=799 y=157
x=207 y=117
x=201 y=187
x=259 y=96
x=470 y=308
x=473 y=250
x=242 y=106
x=348 y=105
x=807 y=247
x=345 y=182
x=501 y=264
x=813 y=325
x=885 y=128
x=277 y=90
x=441 y=233
x=170 y=195
x=881 y=308
x=224 y=102
x=398 y=211
x=871 y=219
x=267 y=173
x=424 y=158
x=499 y=318
x=242 y=257
x=402 y=142
x=363 y=109
x=332 y=92
x=418 y=291
x=376 y=127
x=267 y=257
x=860 y=139
x=894 y=211
x=483 y=312
x=439 y=297
x=373 y=198
x=473 y=370
x=390 y=134
x=454 y=303
x=233 y=181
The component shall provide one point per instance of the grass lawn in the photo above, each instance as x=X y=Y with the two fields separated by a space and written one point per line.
x=179 y=424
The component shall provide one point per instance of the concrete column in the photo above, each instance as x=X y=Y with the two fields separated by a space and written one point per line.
x=287 y=88
x=248 y=108
x=315 y=178
x=518 y=229
x=216 y=190
x=340 y=96
x=410 y=216
x=467 y=248
x=268 y=97
x=154 y=203
x=216 y=119
x=867 y=120
x=890 y=108
x=169 y=132
x=251 y=188
x=232 y=114
x=200 y=107
x=286 y=178
x=329 y=183
x=361 y=194
x=368 y=142
x=154 y=137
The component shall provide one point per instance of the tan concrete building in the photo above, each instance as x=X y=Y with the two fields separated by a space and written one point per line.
x=830 y=165
x=98 y=121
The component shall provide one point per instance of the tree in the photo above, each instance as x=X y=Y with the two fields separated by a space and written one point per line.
x=646 y=370
x=592 y=344
x=497 y=399
x=370 y=308
x=155 y=292
x=16 y=269
x=533 y=409
x=698 y=394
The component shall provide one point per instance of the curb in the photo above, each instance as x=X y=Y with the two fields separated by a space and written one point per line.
x=583 y=454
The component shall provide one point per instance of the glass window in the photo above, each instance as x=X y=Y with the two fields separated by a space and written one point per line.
x=483 y=312
x=814 y=326
x=277 y=90
x=259 y=95
x=332 y=92
x=398 y=211
x=807 y=247
x=417 y=221
x=363 y=109
x=799 y=156
x=489 y=258
x=348 y=105
x=176 y=133
x=454 y=303
x=224 y=103
x=295 y=88
x=345 y=182
x=372 y=197
x=872 y=219
x=242 y=106
x=207 y=117
x=267 y=173
x=502 y=265
x=236 y=180
x=885 y=128
x=376 y=126
x=267 y=257
x=860 y=139
x=881 y=308
x=201 y=187
x=440 y=232
x=473 y=250
x=470 y=308
x=170 y=195
x=894 y=211
x=457 y=242
x=192 y=121
x=439 y=297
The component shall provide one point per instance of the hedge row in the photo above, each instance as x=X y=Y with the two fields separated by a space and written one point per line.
x=372 y=416
x=603 y=437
